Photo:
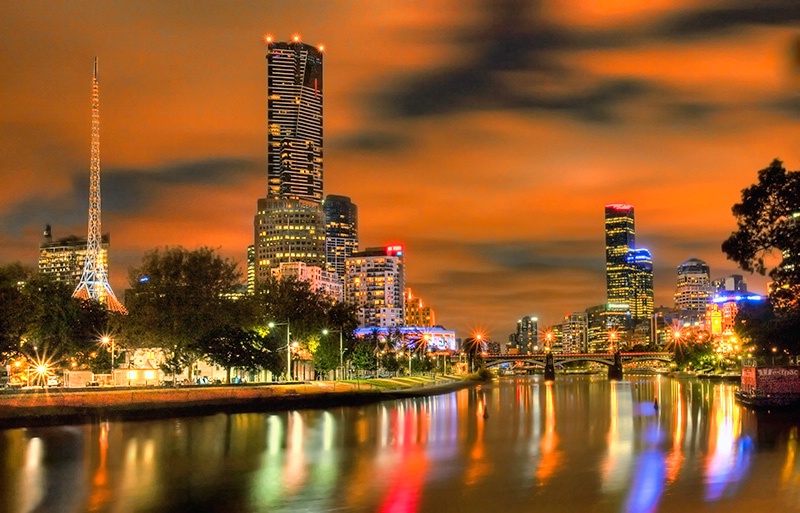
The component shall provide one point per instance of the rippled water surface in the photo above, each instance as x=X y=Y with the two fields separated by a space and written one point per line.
x=581 y=444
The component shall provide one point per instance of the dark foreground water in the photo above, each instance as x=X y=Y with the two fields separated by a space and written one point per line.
x=582 y=444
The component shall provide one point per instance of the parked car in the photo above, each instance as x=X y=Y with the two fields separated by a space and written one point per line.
x=92 y=383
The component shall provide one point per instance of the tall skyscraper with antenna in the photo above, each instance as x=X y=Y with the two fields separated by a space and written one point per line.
x=94 y=280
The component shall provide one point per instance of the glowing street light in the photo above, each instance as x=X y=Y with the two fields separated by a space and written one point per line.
x=106 y=340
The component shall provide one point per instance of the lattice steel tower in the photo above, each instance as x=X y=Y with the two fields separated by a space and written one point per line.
x=94 y=280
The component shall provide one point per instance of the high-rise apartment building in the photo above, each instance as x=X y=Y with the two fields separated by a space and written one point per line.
x=294 y=120
x=527 y=336
x=63 y=259
x=575 y=333
x=374 y=283
x=289 y=223
x=693 y=291
x=341 y=231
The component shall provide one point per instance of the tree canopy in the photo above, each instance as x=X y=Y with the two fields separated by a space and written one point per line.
x=767 y=239
x=177 y=298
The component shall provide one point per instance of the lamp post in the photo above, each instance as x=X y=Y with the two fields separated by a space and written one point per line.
x=341 y=350
x=105 y=341
x=288 y=347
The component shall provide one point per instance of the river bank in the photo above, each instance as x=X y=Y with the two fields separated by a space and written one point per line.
x=54 y=406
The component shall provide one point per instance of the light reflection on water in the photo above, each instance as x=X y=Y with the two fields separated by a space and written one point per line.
x=579 y=444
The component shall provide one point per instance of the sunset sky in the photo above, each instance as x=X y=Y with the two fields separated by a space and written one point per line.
x=485 y=136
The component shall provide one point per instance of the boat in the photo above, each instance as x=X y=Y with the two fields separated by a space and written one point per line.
x=769 y=386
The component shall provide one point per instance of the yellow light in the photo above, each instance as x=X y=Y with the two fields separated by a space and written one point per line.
x=132 y=374
x=321 y=48
x=296 y=38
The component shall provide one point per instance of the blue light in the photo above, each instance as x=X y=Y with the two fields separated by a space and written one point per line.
x=144 y=279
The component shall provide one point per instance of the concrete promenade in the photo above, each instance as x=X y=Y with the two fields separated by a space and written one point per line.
x=50 y=406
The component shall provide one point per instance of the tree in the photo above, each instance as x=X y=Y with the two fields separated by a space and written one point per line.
x=233 y=346
x=177 y=298
x=363 y=356
x=767 y=239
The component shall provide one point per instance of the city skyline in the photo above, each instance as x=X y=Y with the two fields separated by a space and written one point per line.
x=484 y=137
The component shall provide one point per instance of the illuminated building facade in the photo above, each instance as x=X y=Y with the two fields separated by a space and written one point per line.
x=294 y=120
x=63 y=259
x=526 y=339
x=320 y=280
x=575 y=333
x=693 y=291
x=375 y=284
x=435 y=337
x=620 y=240
x=287 y=230
x=640 y=284
x=417 y=313
x=341 y=231
x=289 y=224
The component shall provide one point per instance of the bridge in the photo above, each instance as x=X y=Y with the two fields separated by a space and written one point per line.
x=548 y=361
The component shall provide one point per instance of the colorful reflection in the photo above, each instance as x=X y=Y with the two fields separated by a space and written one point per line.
x=513 y=445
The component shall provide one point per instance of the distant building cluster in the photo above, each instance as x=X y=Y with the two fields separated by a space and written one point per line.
x=628 y=318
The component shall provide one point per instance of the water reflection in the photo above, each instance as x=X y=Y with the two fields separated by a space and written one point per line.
x=580 y=443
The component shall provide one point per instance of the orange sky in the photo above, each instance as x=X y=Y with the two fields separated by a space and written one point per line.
x=484 y=135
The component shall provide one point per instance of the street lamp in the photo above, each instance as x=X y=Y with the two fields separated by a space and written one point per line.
x=288 y=348
x=341 y=350
x=106 y=340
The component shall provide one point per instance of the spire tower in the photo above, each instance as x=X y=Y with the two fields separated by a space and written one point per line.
x=94 y=280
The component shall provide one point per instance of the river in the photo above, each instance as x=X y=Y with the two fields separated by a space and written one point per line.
x=581 y=444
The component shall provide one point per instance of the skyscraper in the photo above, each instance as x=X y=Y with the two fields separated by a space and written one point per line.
x=620 y=240
x=341 y=231
x=693 y=290
x=289 y=224
x=640 y=281
x=294 y=120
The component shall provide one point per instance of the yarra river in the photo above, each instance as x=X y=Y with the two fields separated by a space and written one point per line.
x=581 y=444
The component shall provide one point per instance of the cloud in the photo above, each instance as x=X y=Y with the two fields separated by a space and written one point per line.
x=729 y=16
x=125 y=191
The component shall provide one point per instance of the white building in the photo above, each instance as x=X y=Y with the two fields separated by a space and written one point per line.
x=375 y=284
x=320 y=280
x=693 y=291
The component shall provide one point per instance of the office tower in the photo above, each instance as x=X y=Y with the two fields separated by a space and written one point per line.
x=93 y=283
x=341 y=231
x=693 y=291
x=287 y=230
x=575 y=333
x=620 y=240
x=289 y=224
x=417 y=313
x=374 y=284
x=527 y=336
x=640 y=282
x=63 y=259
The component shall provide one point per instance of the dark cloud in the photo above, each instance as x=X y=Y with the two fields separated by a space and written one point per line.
x=789 y=105
x=124 y=191
x=574 y=255
x=372 y=141
x=729 y=16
